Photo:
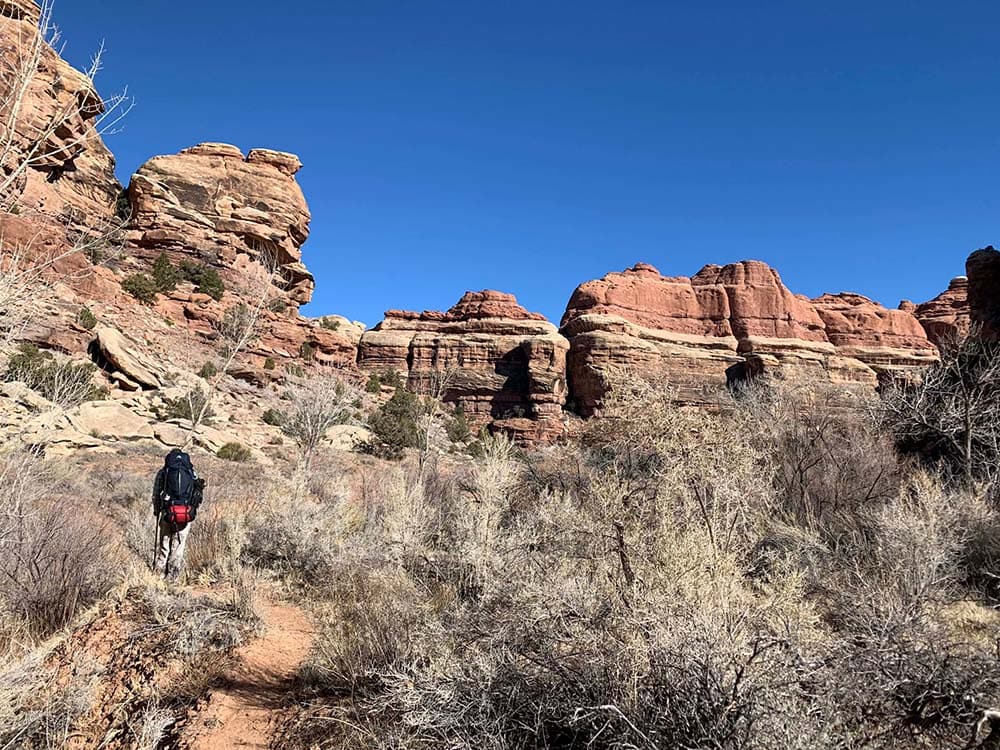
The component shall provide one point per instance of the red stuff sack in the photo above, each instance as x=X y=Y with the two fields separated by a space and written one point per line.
x=179 y=515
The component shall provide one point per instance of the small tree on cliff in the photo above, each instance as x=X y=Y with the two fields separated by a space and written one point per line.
x=951 y=417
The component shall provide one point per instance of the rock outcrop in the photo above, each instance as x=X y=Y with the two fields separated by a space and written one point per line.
x=729 y=323
x=946 y=317
x=69 y=171
x=504 y=365
x=983 y=269
x=212 y=205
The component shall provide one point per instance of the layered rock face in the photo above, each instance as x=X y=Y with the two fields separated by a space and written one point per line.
x=728 y=323
x=983 y=269
x=70 y=172
x=946 y=317
x=211 y=204
x=503 y=365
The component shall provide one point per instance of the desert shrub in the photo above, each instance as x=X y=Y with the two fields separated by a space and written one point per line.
x=374 y=383
x=366 y=631
x=210 y=283
x=86 y=319
x=457 y=427
x=269 y=363
x=277 y=305
x=59 y=380
x=307 y=351
x=165 y=276
x=396 y=424
x=274 y=417
x=331 y=324
x=314 y=406
x=234 y=452
x=191 y=406
x=950 y=418
x=292 y=538
x=56 y=558
x=141 y=286
x=208 y=370
x=391 y=378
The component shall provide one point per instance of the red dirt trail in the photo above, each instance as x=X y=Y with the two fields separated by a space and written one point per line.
x=255 y=695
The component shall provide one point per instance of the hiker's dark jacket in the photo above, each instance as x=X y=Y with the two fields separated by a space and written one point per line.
x=158 y=505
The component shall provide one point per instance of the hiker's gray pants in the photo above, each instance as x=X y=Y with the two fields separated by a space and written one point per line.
x=170 y=549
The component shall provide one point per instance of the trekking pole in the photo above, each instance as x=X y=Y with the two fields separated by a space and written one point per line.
x=156 y=540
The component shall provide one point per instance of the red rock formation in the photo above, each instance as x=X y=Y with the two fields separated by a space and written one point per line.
x=210 y=204
x=983 y=269
x=502 y=364
x=946 y=316
x=727 y=322
x=70 y=171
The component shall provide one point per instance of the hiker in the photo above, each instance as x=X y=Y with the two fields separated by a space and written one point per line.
x=177 y=493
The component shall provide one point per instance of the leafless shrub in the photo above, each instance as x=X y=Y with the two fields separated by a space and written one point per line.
x=951 y=417
x=54 y=559
x=314 y=406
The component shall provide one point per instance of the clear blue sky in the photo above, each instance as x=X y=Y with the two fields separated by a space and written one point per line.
x=531 y=146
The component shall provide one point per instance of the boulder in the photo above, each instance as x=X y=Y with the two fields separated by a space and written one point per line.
x=487 y=354
x=124 y=356
x=110 y=420
x=210 y=204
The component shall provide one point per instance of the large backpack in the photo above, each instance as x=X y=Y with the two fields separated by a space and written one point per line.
x=180 y=496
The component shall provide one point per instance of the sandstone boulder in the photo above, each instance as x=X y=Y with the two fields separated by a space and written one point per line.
x=487 y=353
x=110 y=420
x=118 y=354
x=210 y=204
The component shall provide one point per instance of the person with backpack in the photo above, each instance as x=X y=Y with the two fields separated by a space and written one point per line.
x=177 y=493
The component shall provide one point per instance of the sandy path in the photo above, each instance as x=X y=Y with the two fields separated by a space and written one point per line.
x=243 y=712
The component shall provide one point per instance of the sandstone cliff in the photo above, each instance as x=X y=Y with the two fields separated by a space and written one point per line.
x=728 y=323
x=503 y=365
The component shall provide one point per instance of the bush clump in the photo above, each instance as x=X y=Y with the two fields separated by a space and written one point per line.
x=208 y=370
x=61 y=381
x=86 y=319
x=165 y=276
x=330 y=324
x=234 y=452
x=191 y=407
x=211 y=284
x=269 y=363
x=307 y=351
x=374 y=384
x=396 y=424
x=141 y=286
x=274 y=417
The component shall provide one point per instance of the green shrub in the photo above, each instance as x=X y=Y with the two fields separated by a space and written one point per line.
x=274 y=417
x=211 y=284
x=294 y=371
x=190 y=271
x=208 y=370
x=86 y=319
x=269 y=363
x=458 y=427
x=374 y=384
x=396 y=424
x=141 y=286
x=277 y=305
x=164 y=274
x=392 y=378
x=187 y=407
x=60 y=381
x=123 y=206
x=330 y=324
x=234 y=452
x=307 y=351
